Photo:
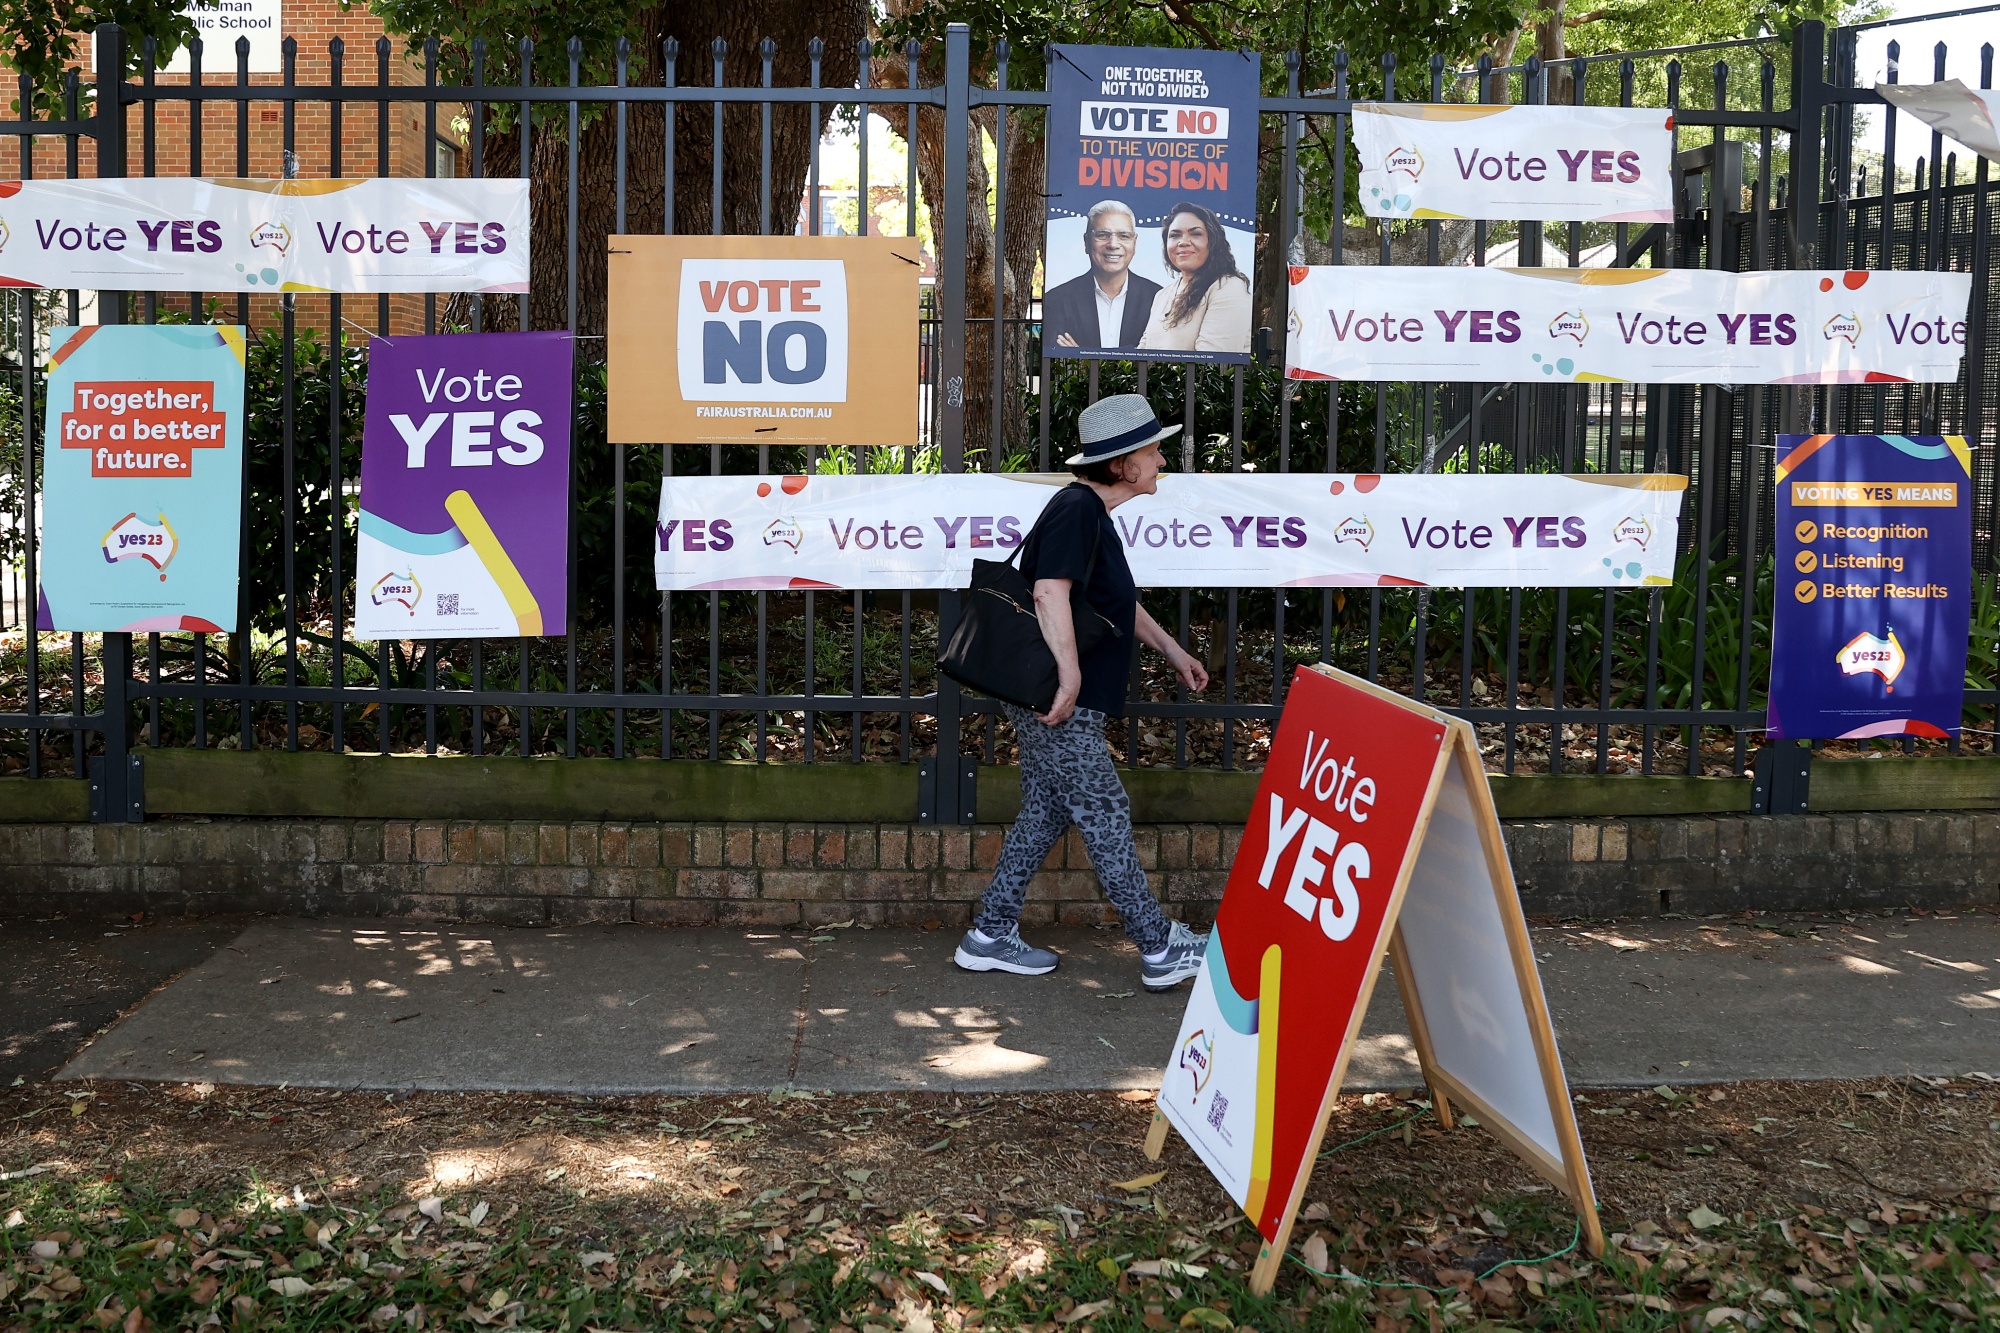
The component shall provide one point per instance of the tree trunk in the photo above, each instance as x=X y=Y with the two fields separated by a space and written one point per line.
x=985 y=265
x=1552 y=45
x=749 y=204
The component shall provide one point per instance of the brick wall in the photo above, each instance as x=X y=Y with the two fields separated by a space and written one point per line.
x=259 y=152
x=808 y=874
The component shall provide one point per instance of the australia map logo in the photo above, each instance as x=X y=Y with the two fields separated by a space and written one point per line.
x=274 y=234
x=133 y=538
x=1570 y=324
x=784 y=532
x=1633 y=528
x=1198 y=1059
x=402 y=589
x=1404 y=161
x=1357 y=530
x=1843 y=326
x=1870 y=652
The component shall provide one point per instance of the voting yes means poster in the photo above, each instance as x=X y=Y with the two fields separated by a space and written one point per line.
x=1372 y=832
x=465 y=462
x=763 y=340
x=1151 y=208
x=1874 y=586
x=143 y=486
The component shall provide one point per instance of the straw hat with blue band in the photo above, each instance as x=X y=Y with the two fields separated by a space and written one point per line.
x=1116 y=425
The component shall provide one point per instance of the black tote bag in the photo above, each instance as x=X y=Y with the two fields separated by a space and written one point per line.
x=997 y=647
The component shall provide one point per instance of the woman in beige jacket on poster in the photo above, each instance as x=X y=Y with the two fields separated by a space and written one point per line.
x=1207 y=306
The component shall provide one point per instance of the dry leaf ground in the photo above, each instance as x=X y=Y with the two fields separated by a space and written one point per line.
x=1858 y=1206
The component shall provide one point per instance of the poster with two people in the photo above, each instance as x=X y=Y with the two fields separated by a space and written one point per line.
x=1151 y=204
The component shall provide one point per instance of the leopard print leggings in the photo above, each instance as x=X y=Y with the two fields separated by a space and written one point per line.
x=1067 y=777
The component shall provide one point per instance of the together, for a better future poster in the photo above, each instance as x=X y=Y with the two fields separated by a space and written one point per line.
x=143 y=492
x=465 y=487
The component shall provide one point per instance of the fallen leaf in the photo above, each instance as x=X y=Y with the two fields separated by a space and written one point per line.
x=1722 y=1314
x=592 y=1258
x=1136 y=1095
x=1137 y=1183
x=290 y=1287
x=1085 y=1311
x=932 y=1280
x=859 y=1175
x=1313 y=1253
x=1659 y=1303
x=1704 y=1217
x=1204 y=1317
x=478 y=1214
x=186 y=1218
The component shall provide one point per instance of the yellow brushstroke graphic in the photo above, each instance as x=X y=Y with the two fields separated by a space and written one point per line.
x=1267 y=1083
x=1431 y=110
x=292 y=188
x=1961 y=450
x=1804 y=450
x=232 y=338
x=478 y=534
x=1639 y=481
x=1437 y=213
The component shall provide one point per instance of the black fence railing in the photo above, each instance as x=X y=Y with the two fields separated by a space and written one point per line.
x=1557 y=680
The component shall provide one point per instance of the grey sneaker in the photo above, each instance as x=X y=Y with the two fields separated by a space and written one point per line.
x=1182 y=960
x=1011 y=954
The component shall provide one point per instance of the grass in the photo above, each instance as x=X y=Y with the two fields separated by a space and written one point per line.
x=121 y=1253
x=1850 y=1208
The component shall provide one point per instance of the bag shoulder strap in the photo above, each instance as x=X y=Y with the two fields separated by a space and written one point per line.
x=1096 y=540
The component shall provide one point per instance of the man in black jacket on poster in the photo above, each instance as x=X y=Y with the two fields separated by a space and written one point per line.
x=1107 y=307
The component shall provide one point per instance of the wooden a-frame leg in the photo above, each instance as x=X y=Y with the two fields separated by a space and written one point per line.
x=1420 y=1032
x=1264 y=1273
x=1156 y=1137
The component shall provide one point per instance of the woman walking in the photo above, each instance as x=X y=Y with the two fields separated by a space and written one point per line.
x=1067 y=776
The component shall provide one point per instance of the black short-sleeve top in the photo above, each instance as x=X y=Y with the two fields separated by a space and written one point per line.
x=1059 y=548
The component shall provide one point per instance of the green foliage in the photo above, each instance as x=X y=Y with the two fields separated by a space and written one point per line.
x=44 y=37
x=1412 y=31
x=314 y=502
x=595 y=25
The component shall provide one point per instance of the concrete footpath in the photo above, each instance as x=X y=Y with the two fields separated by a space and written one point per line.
x=623 y=1009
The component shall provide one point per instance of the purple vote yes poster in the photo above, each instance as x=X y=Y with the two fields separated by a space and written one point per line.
x=465 y=487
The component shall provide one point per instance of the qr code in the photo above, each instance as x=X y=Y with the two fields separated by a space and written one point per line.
x=447 y=603
x=1218 y=1107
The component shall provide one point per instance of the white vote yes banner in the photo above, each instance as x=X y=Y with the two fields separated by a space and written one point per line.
x=1968 y=115
x=1285 y=530
x=181 y=234
x=1560 y=163
x=1625 y=325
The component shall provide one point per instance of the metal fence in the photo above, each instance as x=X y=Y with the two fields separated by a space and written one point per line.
x=1771 y=172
